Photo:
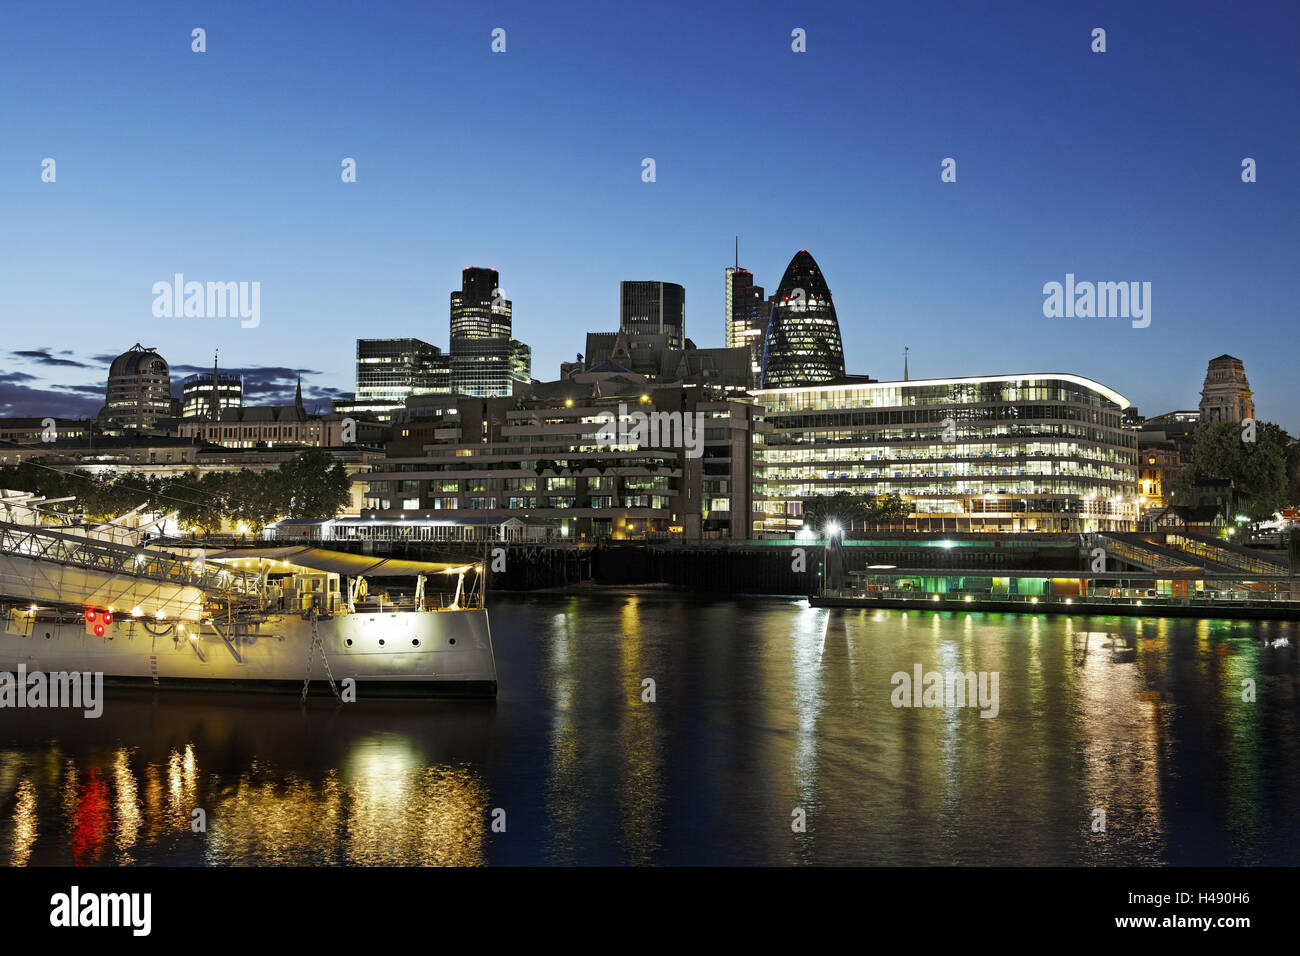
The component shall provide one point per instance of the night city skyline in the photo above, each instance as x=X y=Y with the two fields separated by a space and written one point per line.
x=543 y=437
x=1054 y=176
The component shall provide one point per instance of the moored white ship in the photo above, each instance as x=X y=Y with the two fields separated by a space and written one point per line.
x=103 y=600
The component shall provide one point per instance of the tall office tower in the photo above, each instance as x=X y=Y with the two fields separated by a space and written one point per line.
x=391 y=370
x=1226 y=394
x=204 y=395
x=139 y=389
x=653 y=308
x=747 y=315
x=489 y=367
x=479 y=310
x=485 y=360
x=803 y=344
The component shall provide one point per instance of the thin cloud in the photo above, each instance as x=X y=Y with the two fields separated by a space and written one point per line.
x=47 y=357
x=23 y=401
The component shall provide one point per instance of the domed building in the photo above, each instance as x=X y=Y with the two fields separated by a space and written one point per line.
x=803 y=343
x=139 y=389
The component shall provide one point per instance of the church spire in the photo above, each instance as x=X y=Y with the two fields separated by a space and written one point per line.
x=214 y=401
x=297 y=395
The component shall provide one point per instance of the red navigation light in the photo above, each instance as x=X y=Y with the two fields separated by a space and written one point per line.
x=108 y=617
x=90 y=614
x=99 y=630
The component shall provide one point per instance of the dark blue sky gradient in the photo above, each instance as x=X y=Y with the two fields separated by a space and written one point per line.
x=225 y=166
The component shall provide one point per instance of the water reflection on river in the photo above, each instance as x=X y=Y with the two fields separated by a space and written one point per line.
x=762 y=707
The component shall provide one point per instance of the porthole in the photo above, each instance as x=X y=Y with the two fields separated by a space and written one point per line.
x=415 y=642
x=452 y=641
x=381 y=642
x=349 y=642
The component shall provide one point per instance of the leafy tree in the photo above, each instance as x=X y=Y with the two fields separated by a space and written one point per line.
x=883 y=508
x=250 y=500
x=847 y=509
x=199 y=503
x=1257 y=470
x=312 y=485
x=1293 y=472
x=840 y=508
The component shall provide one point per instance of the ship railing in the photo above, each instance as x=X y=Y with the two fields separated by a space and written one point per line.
x=334 y=605
x=46 y=544
x=433 y=601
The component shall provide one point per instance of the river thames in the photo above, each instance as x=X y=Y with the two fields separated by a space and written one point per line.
x=767 y=716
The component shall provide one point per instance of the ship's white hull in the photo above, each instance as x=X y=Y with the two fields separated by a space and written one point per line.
x=406 y=654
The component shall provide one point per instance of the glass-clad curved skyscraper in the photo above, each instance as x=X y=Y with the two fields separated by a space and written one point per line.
x=803 y=344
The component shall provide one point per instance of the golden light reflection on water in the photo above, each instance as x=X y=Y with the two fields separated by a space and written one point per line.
x=381 y=806
x=24 y=824
x=564 y=781
x=640 y=784
x=127 y=807
x=1119 y=733
x=759 y=710
x=807 y=648
x=400 y=811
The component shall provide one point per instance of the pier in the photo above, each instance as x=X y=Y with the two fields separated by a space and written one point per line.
x=1131 y=595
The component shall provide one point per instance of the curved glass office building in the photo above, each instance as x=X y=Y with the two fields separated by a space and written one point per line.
x=802 y=345
x=1033 y=452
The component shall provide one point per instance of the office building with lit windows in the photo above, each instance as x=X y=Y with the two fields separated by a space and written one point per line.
x=139 y=390
x=479 y=309
x=391 y=370
x=653 y=308
x=1033 y=452
x=206 y=394
x=539 y=456
x=485 y=360
x=802 y=345
x=746 y=315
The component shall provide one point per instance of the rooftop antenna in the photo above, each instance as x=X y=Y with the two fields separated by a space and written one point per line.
x=737 y=252
x=904 y=363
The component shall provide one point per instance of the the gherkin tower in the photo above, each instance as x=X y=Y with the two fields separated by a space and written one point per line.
x=803 y=343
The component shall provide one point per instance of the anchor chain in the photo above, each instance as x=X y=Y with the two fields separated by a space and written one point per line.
x=311 y=655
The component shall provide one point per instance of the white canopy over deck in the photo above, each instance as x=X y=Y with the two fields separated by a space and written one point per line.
x=301 y=558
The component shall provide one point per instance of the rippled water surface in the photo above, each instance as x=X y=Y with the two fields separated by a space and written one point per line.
x=765 y=712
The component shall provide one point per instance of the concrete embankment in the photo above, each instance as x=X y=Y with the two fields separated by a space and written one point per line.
x=1250 y=611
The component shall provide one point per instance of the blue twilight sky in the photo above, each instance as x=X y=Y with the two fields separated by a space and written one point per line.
x=225 y=166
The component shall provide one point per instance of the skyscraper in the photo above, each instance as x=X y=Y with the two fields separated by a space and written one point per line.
x=746 y=315
x=803 y=345
x=486 y=360
x=1226 y=394
x=479 y=310
x=653 y=308
x=391 y=370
